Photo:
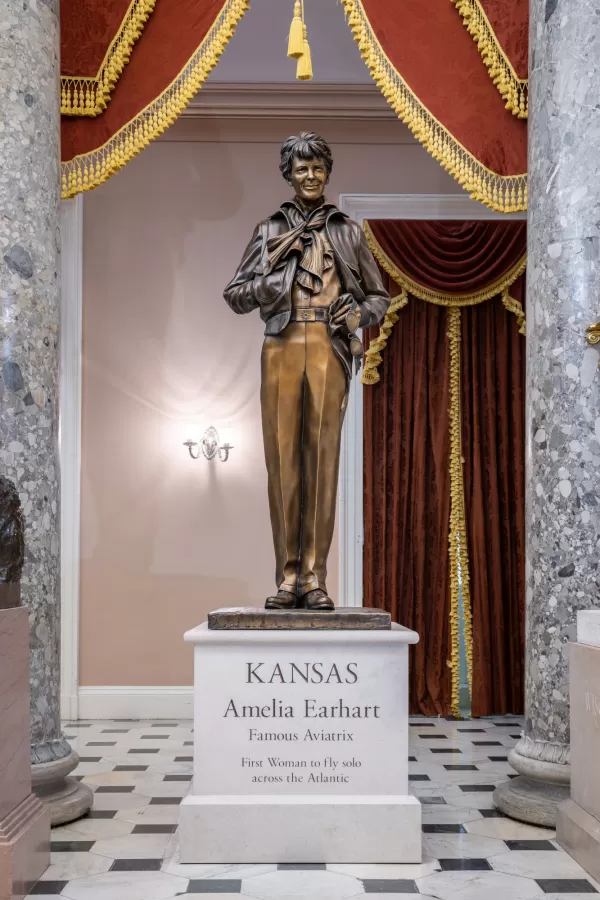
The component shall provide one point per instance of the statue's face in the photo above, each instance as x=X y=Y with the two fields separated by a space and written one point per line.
x=309 y=177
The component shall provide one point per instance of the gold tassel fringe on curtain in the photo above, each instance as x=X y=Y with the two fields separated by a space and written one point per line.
x=513 y=90
x=80 y=96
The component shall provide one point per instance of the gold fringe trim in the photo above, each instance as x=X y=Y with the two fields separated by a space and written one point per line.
x=500 y=286
x=457 y=537
x=87 y=171
x=504 y=193
x=80 y=96
x=513 y=89
x=373 y=358
x=514 y=306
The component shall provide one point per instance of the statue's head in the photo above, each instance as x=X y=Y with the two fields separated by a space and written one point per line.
x=306 y=164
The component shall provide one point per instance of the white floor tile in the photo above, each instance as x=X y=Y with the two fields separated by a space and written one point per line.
x=300 y=885
x=126 y=886
x=478 y=886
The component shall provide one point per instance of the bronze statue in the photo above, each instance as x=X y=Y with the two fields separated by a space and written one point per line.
x=309 y=271
x=12 y=544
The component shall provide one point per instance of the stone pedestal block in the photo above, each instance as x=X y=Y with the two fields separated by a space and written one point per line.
x=24 y=820
x=300 y=748
x=577 y=824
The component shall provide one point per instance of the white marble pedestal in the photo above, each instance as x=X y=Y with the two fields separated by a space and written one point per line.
x=300 y=748
x=578 y=819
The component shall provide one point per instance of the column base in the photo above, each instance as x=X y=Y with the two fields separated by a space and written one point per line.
x=24 y=848
x=578 y=833
x=528 y=800
x=66 y=798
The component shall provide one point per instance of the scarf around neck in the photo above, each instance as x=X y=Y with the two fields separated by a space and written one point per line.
x=305 y=238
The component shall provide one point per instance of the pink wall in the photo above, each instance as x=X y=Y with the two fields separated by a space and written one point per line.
x=165 y=539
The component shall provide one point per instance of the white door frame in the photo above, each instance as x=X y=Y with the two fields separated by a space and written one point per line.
x=350 y=502
x=71 y=309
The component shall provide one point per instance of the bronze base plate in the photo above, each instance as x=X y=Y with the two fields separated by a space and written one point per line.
x=356 y=618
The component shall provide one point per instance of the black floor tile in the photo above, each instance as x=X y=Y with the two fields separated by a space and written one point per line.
x=154 y=829
x=72 y=725
x=215 y=886
x=507 y=724
x=471 y=730
x=130 y=769
x=464 y=865
x=419 y=778
x=84 y=759
x=443 y=829
x=422 y=724
x=144 y=750
x=487 y=743
x=164 y=725
x=115 y=789
x=177 y=778
x=102 y=813
x=530 y=845
x=498 y=758
x=389 y=886
x=165 y=801
x=566 y=886
x=451 y=768
x=188 y=743
x=136 y=865
x=301 y=867
x=184 y=759
x=78 y=777
x=477 y=788
x=433 y=737
x=101 y=744
x=71 y=846
x=154 y=737
x=516 y=737
x=444 y=750
x=115 y=731
x=492 y=814
x=47 y=887
x=412 y=758
x=432 y=801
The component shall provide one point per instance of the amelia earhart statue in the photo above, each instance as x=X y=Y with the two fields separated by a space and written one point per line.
x=309 y=271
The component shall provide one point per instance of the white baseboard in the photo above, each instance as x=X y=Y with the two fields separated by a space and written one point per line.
x=135 y=702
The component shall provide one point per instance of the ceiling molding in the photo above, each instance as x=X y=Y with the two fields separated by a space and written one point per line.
x=282 y=101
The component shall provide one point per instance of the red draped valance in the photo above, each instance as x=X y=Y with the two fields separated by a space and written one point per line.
x=181 y=43
x=430 y=71
x=130 y=69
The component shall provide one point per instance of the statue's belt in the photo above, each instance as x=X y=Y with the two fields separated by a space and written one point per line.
x=310 y=314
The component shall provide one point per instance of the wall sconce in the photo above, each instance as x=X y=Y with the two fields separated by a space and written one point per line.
x=209 y=446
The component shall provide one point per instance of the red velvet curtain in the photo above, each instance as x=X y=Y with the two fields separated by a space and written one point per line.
x=493 y=447
x=407 y=495
x=408 y=455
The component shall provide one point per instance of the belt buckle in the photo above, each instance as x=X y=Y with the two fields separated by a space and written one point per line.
x=307 y=315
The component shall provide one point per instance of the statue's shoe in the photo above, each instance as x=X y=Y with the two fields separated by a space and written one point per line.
x=282 y=600
x=317 y=599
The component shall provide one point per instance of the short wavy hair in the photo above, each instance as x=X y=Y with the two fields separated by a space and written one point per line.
x=307 y=145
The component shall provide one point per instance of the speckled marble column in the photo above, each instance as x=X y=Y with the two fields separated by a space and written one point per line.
x=29 y=331
x=563 y=402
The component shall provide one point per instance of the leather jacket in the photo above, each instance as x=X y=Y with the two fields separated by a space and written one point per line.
x=251 y=289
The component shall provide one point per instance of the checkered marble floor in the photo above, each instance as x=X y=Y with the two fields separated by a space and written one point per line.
x=126 y=849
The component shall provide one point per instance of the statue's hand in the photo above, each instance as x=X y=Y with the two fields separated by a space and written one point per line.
x=347 y=305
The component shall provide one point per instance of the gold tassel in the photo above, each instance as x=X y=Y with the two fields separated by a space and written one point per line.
x=304 y=70
x=296 y=38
